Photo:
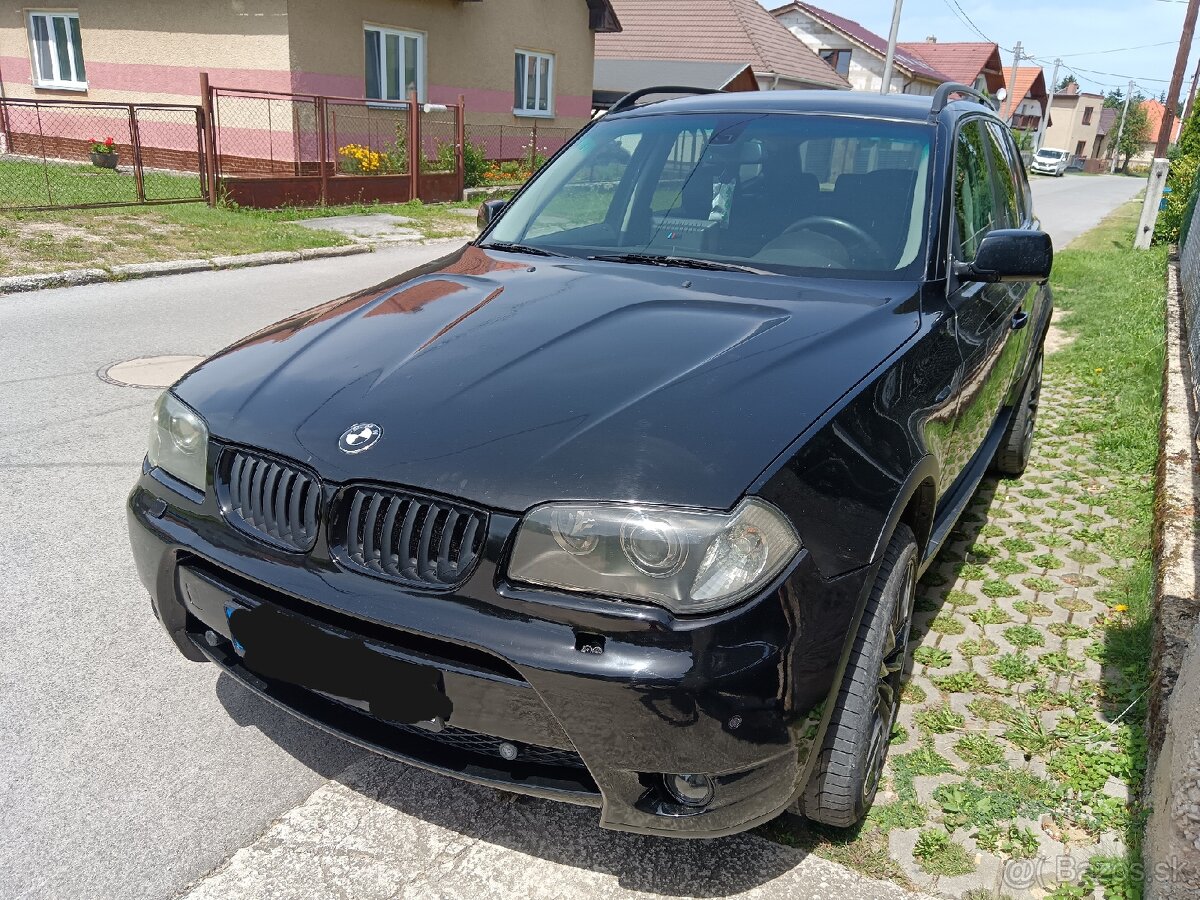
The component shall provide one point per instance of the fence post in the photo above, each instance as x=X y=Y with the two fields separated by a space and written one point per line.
x=210 y=138
x=414 y=145
x=460 y=139
x=136 y=146
x=323 y=149
x=533 y=146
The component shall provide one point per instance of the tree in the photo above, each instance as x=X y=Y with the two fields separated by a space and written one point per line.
x=1135 y=131
x=1189 y=137
x=1062 y=85
x=1114 y=98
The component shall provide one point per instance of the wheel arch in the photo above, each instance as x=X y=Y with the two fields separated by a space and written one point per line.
x=915 y=505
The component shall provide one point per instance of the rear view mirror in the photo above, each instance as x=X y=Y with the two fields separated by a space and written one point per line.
x=1009 y=254
x=488 y=211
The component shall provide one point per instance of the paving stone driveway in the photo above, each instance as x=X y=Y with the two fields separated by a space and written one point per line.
x=1006 y=771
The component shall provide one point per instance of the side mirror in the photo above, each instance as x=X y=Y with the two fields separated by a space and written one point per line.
x=1009 y=254
x=488 y=211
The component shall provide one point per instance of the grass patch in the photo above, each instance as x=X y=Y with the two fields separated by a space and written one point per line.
x=938 y=855
x=57 y=240
x=1116 y=299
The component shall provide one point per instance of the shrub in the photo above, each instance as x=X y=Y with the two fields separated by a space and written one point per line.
x=475 y=163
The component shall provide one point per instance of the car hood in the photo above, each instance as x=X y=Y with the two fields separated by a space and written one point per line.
x=510 y=380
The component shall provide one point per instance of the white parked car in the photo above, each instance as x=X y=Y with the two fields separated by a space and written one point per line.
x=1050 y=162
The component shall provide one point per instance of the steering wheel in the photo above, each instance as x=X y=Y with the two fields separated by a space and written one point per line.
x=864 y=240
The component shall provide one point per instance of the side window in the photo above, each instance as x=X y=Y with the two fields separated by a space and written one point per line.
x=585 y=197
x=1008 y=203
x=974 y=213
x=1017 y=169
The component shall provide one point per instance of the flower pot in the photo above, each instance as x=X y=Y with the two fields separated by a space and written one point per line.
x=105 y=160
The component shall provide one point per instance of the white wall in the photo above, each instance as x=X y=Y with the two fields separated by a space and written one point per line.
x=866 y=68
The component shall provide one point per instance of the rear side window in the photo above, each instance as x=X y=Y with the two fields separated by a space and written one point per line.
x=974 y=200
x=1014 y=188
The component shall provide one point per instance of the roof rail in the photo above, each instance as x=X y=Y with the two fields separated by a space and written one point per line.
x=941 y=96
x=632 y=97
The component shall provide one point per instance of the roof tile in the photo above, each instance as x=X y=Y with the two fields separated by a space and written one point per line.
x=717 y=30
x=962 y=61
x=905 y=61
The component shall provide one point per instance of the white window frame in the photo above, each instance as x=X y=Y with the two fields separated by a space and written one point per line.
x=519 y=109
x=39 y=78
x=383 y=31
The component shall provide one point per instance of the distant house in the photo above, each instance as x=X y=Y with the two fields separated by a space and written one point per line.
x=1106 y=133
x=734 y=33
x=1074 y=122
x=1025 y=104
x=972 y=63
x=1155 y=113
x=857 y=53
x=614 y=78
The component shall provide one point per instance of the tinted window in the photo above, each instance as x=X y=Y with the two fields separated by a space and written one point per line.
x=974 y=202
x=1008 y=204
x=783 y=193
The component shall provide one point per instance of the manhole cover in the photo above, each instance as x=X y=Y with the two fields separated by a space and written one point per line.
x=149 y=371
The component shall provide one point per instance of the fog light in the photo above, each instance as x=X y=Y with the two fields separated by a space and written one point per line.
x=689 y=790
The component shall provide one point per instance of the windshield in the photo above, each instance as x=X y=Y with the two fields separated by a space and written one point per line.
x=1050 y=154
x=787 y=194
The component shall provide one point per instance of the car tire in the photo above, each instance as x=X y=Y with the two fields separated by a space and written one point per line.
x=1012 y=456
x=843 y=784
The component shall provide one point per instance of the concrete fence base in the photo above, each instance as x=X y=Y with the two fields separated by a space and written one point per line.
x=1172 y=846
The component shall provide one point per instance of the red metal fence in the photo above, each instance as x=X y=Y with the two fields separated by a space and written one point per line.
x=280 y=149
x=46 y=160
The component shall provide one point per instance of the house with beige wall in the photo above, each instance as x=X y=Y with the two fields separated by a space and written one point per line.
x=513 y=60
x=1074 y=122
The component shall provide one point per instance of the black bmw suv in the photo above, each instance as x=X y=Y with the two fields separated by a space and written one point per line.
x=624 y=503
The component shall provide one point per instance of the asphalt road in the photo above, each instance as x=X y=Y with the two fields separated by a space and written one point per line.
x=1070 y=205
x=128 y=771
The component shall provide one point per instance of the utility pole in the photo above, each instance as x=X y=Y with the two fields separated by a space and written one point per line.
x=890 y=60
x=1013 y=99
x=1120 y=130
x=1181 y=58
x=1041 y=132
x=1191 y=97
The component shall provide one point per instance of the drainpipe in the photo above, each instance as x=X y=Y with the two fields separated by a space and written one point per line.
x=5 y=134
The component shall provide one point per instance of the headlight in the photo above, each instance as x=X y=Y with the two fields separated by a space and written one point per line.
x=178 y=441
x=689 y=562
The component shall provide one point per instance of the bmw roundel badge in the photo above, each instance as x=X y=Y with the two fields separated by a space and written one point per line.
x=360 y=437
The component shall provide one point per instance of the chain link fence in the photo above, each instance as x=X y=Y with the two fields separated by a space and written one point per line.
x=518 y=143
x=1189 y=286
x=275 y=149
x=66 y=153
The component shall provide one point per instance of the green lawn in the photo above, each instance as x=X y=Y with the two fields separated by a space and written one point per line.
x=26 y=184
x=59 y=240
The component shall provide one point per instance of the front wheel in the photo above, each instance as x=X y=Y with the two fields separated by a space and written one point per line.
x=1012 y=456
x=843 y=785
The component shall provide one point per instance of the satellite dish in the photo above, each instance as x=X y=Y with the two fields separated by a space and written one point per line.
x=1002 y=94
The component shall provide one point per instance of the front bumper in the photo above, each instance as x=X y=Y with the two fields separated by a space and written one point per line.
x=738 y=696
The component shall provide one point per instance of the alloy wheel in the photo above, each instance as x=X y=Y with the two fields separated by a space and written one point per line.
x=891 y=674
x=1034 y=394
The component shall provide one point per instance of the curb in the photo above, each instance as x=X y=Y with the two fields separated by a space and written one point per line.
x=20 y=283
x=1171 y=851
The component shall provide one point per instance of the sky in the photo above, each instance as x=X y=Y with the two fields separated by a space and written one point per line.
x=1070 y=29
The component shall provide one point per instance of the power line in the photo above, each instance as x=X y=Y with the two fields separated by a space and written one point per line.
x=1121 y=49
x=953 y=6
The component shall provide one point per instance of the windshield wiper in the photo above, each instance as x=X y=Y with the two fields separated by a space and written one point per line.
x=510 y=247
x=683 y=262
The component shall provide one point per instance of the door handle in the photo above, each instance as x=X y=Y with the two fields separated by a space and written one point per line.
x=1020 y=320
